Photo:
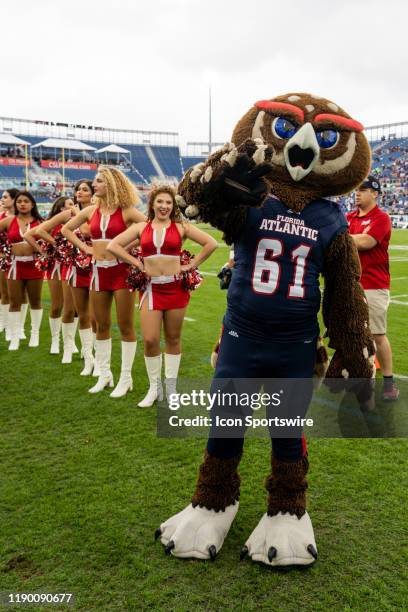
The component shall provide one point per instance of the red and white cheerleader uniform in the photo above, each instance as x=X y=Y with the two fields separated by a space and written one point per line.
x=110 y=276
x=76 y=276
x=55 y=271
x=80 y=278
x=163 y=292
x=22 y=267
x=107 y=275
x=3 y=237
x=3 y=270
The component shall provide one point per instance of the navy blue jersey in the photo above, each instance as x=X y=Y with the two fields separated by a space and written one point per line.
x=274 y=292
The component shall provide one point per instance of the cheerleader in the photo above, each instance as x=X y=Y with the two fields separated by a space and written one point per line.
x=112 y=212
x=7 y=201
x=22 y=274
x=6 y=209
x=164 y=301
x=57 y=274
x=80 y=280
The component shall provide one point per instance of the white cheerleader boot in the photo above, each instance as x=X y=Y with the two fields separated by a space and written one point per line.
x=68 y=342
x=196 y=532
x=171 y=368
x=36 y=316
x=282 y=540
x=103 y=352
x=155 y=392
x=7 y=331
x=2 y=315
x=96 y=371
x=125 y=383
x=14 y=320
x=74 y=346
x=87 y=344
x=55 y=328
x=24 y=310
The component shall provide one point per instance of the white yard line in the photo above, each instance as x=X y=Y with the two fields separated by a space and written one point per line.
x=208 y=273
x=398 y=247
x=399 y=302
x=394 y=297
x=189 y=319
x=399 y=278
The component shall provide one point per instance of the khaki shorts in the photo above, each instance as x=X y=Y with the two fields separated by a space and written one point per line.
x=378 y=302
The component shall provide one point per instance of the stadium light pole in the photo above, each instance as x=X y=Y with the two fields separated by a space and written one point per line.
x=26 y=166
x=63 y=171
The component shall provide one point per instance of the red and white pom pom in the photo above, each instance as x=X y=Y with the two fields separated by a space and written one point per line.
x=136 y=253
x=186 y=257
x=65 y=250
x=83 y=260
x=191 y=279
x=5 y=252
x=45 y=260
x=137 y=280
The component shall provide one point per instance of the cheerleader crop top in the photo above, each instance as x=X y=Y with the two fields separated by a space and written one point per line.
x=14 y=234
x=170 y=242
x=106 y=227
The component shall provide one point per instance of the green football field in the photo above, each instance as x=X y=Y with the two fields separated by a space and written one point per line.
x=85 y=481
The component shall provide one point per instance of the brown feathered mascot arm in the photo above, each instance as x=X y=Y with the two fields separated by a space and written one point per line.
x=219 y=190
x=345 y=312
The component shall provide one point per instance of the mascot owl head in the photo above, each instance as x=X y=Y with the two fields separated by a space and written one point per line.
x=318 y=150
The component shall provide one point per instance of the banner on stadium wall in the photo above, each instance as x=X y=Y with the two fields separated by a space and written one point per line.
x=52 y=163
x=11 y=161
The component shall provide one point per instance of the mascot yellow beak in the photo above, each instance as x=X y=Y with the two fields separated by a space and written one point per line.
x=301 y=152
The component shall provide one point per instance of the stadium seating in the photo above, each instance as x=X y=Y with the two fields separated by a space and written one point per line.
x=141 y=161
x=148 y=162
x=72 y=174
x=191 y=161
x=17 y=172
x=169 y=160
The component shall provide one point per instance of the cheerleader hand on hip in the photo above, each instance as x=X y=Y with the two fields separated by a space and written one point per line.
x=88 y=250
x=138 y=264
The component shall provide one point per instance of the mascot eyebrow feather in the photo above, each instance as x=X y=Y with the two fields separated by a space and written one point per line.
x=344 y=122
x=283 y=107
x=246 y=189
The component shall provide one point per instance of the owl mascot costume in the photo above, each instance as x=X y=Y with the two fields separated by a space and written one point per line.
x=266 y=191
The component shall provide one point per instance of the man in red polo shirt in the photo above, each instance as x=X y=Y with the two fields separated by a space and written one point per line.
x=370 y=228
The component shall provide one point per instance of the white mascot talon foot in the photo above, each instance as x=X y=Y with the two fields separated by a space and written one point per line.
x=282 y=540
x=196 y=532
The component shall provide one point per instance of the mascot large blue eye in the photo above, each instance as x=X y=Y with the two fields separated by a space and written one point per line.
x=283 y=128
x=327 y=138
